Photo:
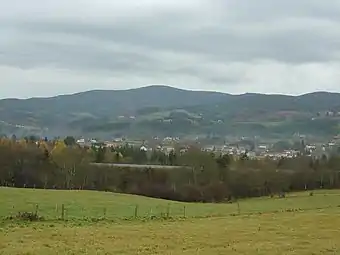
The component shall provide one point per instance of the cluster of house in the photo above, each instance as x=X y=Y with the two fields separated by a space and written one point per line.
x=140 y=144
x=238 y=151
x=323 y=150
x=328 y=114
x=264 y=151
x=166 y=145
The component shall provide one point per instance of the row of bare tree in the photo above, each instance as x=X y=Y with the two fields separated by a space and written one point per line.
x=210 y=178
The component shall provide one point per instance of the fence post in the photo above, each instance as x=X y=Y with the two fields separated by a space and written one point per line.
x=184 y=212
x=62 y=211
x=168 y=211
x=136 y=211
x=238 y=208
x=104 y=212
x=36 y=210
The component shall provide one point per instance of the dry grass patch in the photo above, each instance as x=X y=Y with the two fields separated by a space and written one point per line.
x=312 y=232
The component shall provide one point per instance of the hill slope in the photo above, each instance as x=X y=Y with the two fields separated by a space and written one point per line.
x=80 y=204
x=162 y=110
x=95 y=224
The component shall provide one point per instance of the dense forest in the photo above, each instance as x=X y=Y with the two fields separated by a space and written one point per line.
x=206 y=177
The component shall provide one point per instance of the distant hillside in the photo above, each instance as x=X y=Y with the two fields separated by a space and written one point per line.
x=162 y=110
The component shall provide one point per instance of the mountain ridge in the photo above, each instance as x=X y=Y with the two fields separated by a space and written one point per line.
x=154 y=110
x=167 y=87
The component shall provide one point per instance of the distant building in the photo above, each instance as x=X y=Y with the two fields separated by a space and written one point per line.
x=251 y=154
x=320 y=152
x=168 y=149
x=81 y=142
x=143 y=148
x=209 y=148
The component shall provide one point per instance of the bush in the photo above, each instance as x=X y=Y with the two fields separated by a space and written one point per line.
x=26 y=216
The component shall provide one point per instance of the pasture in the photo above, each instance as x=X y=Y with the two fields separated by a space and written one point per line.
x=297 y=224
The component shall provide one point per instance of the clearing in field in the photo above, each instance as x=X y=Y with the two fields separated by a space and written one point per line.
x=298 y=224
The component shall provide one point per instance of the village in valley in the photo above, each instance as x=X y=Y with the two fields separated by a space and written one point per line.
x=252 y=148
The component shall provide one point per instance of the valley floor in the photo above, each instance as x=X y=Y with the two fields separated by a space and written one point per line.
x=312 y=232
x=262 y=227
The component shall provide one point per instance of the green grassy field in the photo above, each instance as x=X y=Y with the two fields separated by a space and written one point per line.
x=264 y=225
x=80 y=204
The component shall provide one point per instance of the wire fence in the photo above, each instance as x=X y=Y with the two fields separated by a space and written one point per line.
x=137 y=212
x=90 y=209
x=69 y=212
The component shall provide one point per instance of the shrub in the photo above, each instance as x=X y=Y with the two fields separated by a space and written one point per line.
x=26 y=216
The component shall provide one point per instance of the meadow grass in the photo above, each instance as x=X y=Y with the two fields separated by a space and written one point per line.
x=84 y=204
x=264 y=225
x=303 y=233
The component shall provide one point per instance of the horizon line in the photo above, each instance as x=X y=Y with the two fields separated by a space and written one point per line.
x=168 y=87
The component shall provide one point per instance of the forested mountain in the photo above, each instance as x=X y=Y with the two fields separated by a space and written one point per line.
x=162 y=110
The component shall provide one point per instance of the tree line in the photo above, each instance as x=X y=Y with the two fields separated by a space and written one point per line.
x=206 y=177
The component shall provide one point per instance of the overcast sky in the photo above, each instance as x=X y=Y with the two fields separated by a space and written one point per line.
x=50 y=47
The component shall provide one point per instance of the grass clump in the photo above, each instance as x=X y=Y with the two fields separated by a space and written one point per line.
x=26 y=216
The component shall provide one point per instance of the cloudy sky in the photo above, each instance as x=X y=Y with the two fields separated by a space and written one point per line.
x=50 y=47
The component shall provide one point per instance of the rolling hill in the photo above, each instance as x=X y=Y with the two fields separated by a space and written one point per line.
x=163 y=111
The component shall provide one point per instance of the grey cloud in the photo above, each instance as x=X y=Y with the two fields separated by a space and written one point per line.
x=225 y=40
x=215 y=43
x=268 y=10
x=71 y=56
